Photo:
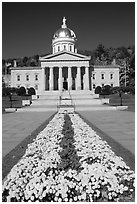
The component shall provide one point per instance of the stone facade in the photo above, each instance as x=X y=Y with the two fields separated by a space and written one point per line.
x=105 y=75
x=64 y=68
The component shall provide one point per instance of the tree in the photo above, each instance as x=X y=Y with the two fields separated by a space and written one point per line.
x=3 y=66
x=122 y=52
x=100 y=50
x=25 y=60
x=20 y=62
x=132 y=69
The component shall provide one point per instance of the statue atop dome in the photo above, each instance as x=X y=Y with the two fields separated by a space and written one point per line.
x=64 y=39
x=64 y=23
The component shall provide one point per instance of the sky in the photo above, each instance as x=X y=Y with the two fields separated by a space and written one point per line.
x=28 y=28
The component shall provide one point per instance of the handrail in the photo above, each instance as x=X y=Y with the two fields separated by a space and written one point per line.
x=70 y=95
x=60 y=99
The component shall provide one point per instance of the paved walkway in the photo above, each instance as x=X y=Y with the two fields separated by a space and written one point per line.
x=119 y=125
x=17 y=126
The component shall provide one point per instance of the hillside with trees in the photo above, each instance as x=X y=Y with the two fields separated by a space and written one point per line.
x=124 y=56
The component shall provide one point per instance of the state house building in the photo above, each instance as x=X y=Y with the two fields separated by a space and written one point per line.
x=64 y=68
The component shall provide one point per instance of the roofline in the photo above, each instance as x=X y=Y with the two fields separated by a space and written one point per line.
x=61 y=52
x=25 y=68
x=106 y=66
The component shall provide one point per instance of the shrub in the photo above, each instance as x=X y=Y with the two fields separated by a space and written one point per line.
x=14 y=90
x=98 y=90
x=6 y=91
x=124 y=89
x=129 y=89
x=31 y=91
x=132 y=89
x=106 y=90
x=114 y=90
x=21 y=91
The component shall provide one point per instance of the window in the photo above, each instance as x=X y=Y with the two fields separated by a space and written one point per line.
x=102 y=85
x=58 y=48
x=94 y=86
x=27 y=77
x=36 y=77
x=93 y=76
x=18 y=86
x=18 y=77
x=111 y=76
x=64 y=47
x=102 y=76
x=111 y=85
x=36 y=86
x=70 y=48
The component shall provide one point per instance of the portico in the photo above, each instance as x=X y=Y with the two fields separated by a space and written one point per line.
x=65 y=70
x=68 y=78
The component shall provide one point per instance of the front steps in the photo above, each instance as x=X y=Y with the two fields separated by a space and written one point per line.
x=73 y=93
x=79 y=100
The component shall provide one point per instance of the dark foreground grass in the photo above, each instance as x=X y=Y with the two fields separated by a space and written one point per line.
x=119 y=150
x=15 y=155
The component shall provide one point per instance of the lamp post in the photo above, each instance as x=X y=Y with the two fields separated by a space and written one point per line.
x=10 y=100
x=125 y=72
x=120 y=94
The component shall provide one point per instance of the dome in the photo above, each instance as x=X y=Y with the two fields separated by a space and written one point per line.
x=64 y=32
x=64 y=39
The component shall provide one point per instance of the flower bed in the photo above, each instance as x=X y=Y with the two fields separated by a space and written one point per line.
x=68 y=161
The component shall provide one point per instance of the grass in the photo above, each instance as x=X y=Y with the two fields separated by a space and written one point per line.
x=15 y=155
x=119 y=150
x=127 y=100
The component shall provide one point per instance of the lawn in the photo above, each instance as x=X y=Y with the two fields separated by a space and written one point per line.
x=127 y=100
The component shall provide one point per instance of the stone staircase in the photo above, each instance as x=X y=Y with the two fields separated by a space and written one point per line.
x=79 y=100
x=83 y=98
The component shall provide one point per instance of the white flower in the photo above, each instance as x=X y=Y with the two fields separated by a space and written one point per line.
x=36 y=174
x=125 y=188
x=75 y=198
x=66 y=199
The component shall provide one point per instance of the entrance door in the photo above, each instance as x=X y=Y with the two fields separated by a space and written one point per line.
x=65 y=85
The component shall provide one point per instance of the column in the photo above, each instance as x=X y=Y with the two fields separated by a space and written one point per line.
x=51 y=79
x=60 y=79
x=87 y=78
x=43 y=79
x=69 y=79
x=78 y=85
x=84 y=82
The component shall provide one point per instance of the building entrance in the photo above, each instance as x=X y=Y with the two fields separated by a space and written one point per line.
x=65 y=85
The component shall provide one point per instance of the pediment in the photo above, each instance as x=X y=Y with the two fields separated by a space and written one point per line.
x=64 y=56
